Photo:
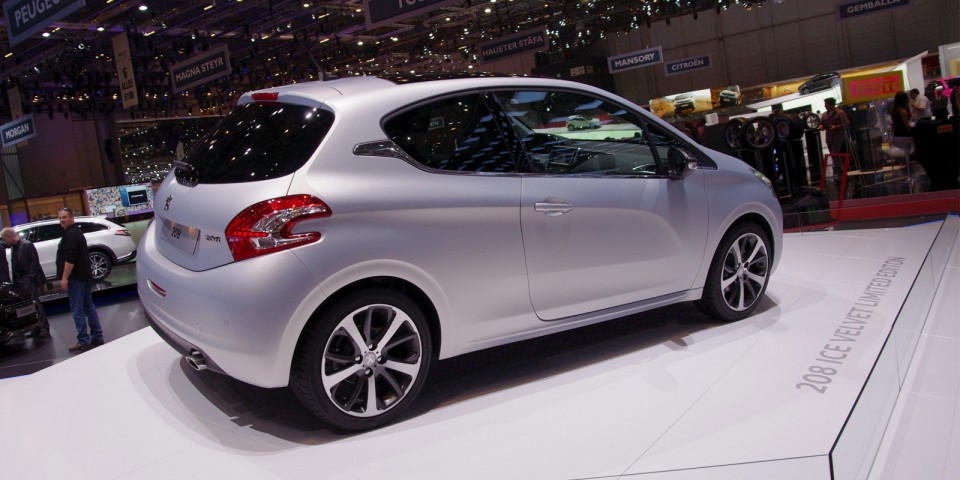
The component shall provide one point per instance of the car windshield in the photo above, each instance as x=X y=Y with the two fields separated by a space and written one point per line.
x=257 y=142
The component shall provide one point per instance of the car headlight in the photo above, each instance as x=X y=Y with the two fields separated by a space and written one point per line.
x=763 y=178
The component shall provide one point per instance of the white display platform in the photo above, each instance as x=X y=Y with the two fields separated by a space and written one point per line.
x=663 y=395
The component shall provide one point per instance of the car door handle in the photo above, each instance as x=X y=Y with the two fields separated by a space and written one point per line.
x=553 y=207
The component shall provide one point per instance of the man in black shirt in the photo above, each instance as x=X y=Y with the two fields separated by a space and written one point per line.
x=26 y=269
x=73 y=269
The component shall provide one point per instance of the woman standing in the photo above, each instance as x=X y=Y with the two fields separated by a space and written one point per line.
x=902 y=133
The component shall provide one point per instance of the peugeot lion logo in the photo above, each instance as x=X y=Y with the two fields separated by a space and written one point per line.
x=166 y=205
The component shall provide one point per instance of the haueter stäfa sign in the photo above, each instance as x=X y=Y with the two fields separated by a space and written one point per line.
x=685 y=65
x=200 y=69
x=847 y=10
x=629 y=61
x=380 y=12
x=26 y=17
x=17 y=131
x=533 y=40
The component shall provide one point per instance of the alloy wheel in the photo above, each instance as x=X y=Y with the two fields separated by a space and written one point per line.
x=744 y=272
x=371 y=360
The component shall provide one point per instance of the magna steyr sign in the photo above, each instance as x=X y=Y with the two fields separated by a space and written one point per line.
x=200 y=69
x=26 y=17
x=18 y=130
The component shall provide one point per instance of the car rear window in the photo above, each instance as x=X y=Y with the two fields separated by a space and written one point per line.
x=256 y=142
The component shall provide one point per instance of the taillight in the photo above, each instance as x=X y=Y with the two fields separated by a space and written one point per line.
x=266 y=227
x=123 y=232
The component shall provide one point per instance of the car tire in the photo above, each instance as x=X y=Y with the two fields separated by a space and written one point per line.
x=733 y=133
x=570 y=128
x=738 y=275
x=788 y=126
x=811 y=120
x=100 y=265
x=758 y=133
x=333 y=374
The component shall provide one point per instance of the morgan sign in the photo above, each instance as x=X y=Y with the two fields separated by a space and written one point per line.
x=18 y=130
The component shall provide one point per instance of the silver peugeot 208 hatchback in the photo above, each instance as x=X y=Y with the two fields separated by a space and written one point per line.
x=340 y=236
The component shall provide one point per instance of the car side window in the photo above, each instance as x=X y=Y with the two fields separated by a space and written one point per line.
x=87 y=227
x=453 y=134
x=48 y=232
x=571 y=133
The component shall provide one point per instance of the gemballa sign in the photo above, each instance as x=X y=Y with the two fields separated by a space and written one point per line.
x=847 y=10
x=26 y=17
x=18 y=130
x=200 y=69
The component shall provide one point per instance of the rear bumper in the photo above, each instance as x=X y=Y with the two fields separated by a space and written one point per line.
x=245 y=318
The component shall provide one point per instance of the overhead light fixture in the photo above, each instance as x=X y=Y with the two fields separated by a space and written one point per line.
x=45 y=34
x=100 y=29
x=142 y=8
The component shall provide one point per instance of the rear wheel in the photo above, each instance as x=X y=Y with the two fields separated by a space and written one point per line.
x=100 y=265
x=364 y=361
x=738 y=274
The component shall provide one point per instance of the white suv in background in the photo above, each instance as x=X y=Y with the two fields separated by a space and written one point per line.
x=109 y=243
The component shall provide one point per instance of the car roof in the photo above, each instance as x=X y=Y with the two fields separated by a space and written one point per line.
x=326 y=91
x=86 y=218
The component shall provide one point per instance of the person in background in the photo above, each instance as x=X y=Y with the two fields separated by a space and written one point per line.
x=955 y=101
x=24 y=265
x=901 y=116
x=836 y=122
x=920 y=107
x=73 y=270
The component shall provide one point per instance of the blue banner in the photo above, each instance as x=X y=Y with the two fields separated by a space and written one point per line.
x=26 y=17
x=18 y=130
x=629 y=61
x=847 y=10
x=686 y=65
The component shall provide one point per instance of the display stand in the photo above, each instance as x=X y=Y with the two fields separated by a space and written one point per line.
x=801 y=390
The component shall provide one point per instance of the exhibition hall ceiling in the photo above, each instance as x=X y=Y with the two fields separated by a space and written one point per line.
x=69 y=66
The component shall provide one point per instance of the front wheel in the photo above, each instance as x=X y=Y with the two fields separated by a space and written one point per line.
x=364 y=361
x=738 y=274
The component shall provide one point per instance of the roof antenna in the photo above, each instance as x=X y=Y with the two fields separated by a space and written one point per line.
x=309 y=55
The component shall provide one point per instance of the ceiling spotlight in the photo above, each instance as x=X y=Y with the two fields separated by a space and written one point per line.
x=45 y=34
x=142 y=8
x=100 y=29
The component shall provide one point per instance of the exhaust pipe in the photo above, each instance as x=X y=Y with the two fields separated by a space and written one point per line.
x=196 y=361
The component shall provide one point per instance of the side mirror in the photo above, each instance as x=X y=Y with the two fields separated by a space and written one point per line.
x=680 y=163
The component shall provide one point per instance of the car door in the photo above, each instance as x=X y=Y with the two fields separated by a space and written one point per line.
x=603 y=225
x=46 y=238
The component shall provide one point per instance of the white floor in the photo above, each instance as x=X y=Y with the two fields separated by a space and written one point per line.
x=661 y=395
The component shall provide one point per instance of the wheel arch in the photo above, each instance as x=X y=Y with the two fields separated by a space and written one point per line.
x=400 y=285
x=761 y=221
x=104 y=250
